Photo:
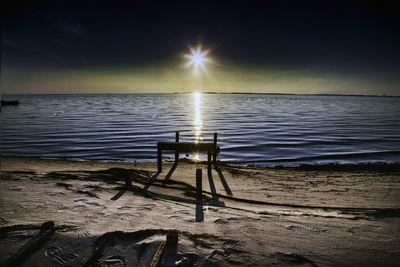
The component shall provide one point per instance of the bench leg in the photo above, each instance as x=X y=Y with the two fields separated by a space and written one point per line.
x=209 y=161
x=215 y=148
x=214 y=156
x=176 y=151
x=176 y=155
x=159 y=160
x=198 y=186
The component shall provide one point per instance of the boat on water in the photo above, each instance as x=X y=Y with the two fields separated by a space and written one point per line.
x=9 y=102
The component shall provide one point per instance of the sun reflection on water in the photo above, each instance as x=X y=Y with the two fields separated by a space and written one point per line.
x=196 y=157
x=197 y=122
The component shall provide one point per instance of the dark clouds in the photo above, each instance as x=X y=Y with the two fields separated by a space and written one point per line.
x=338 y=37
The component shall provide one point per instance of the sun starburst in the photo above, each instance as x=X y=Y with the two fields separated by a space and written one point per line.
x=197 y=58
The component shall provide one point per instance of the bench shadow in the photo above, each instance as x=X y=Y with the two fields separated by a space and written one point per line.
x=168 y=176
x=119 y=194
x=152 y=180
x=212 y=187
x=223 y=181
x=128 y=183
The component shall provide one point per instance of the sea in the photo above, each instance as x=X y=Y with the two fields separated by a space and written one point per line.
x=259 y=129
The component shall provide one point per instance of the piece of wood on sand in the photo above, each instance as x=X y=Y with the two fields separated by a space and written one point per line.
x=157 y=259
x=88 y=260
x=166 y=252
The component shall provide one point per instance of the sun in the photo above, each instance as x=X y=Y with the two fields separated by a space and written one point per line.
x=197 y=58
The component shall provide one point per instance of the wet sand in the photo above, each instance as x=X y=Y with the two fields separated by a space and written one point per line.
x=327 y=215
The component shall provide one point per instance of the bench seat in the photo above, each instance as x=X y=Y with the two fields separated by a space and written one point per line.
x=183 y=147
x=186 y=146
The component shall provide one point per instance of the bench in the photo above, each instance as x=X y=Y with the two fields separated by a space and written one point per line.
x=187 y=147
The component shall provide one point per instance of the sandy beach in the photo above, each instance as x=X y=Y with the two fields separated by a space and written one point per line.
x=119 y=214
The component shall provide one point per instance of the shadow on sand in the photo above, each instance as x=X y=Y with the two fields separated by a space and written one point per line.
x=171 y=171
x=137 y=248
x=119 y=194
x=117 y=177
x=223 y=181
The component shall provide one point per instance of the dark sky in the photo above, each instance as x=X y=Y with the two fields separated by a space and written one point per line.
x=350 y=47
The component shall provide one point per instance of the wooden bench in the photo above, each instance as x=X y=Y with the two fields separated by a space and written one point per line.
x=187 y=147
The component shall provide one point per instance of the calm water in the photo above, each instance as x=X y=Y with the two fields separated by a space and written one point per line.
x=259 y=129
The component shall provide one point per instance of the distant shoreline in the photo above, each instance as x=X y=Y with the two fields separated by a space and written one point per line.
x=217 y=93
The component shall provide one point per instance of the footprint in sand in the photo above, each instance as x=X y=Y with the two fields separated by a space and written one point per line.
x=227 y=220
x=370 y=233
x=87 y=202
x=142 y=207
x=3 y=221
x=220 y=221
x=54 y=194
x=79 y=231
x=78 y=207
x=83 y=234
x=19 y=236
x=16 y=188
x=58 y=254
x=306 y=229
x=126 y=207
x=114 y=261
x=175 y=217
x=186 y=212
x=292 y=259
x=124 y=214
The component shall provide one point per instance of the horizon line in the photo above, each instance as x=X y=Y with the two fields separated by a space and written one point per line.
x=208 y=92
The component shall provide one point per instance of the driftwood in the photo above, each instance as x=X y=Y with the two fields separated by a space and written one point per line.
x=88 y=260
x=46 y=230
x=157 y=259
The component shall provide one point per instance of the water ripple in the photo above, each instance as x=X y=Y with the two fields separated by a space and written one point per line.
x=261 y=129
